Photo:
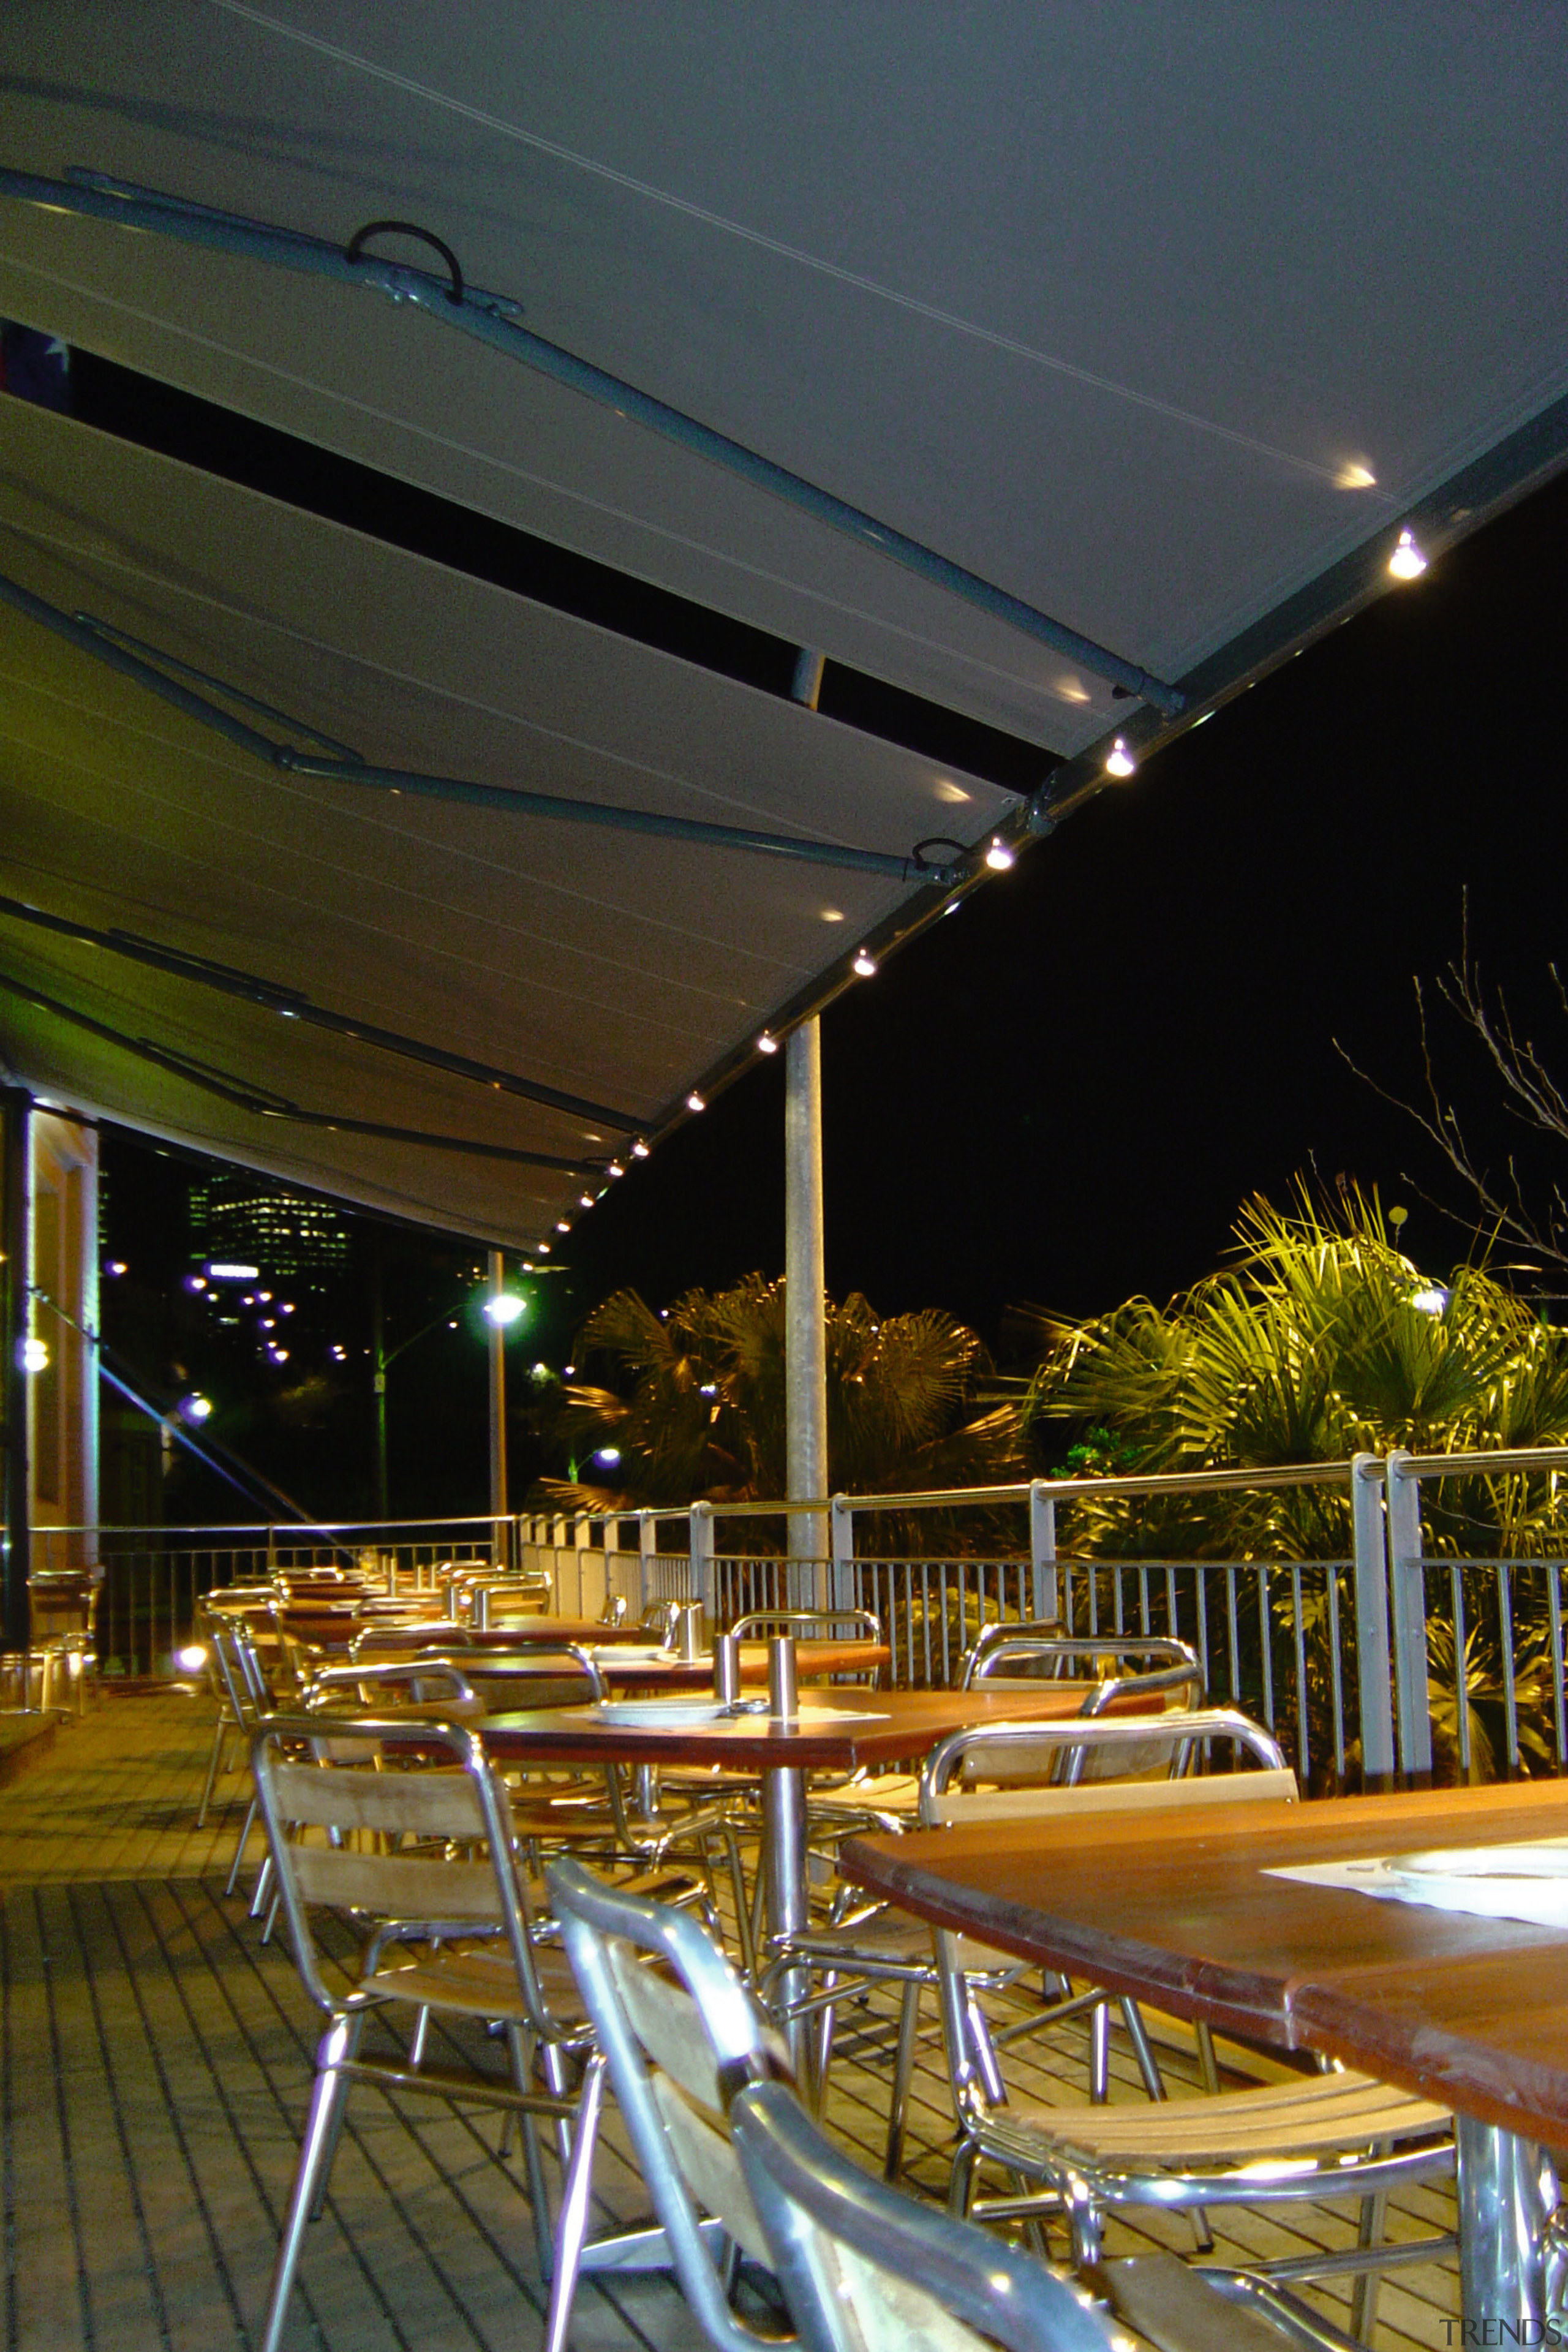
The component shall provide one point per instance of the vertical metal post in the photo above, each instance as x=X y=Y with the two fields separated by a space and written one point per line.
x=1374 y=1678
x=1507 y=2194
x=1044 y=1601
x=648 y=1548
x=1403 y=1510
x=701 y=1520
x=841 y=1524
x=378 y=1360
x=806 y=1322
x=15 y=1107
x=498 y=1399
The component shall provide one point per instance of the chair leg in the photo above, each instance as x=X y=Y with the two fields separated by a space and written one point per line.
x=903 y=2070
x=263 y=1886
x=1100 y=2054
x=220 y=1733
x=960 y=2188
x=326 y=2096
x=1364 y=2295
x=519 y=2049
x=572 y=2228
x=1137 y=2033
x=351 y=2049
x=239 y=1849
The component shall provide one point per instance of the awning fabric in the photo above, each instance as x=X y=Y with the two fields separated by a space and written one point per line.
x=1163 y=318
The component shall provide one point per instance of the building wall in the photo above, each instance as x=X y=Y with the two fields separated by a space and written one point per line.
x=62 y=1394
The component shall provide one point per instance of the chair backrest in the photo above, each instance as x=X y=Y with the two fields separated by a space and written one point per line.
x=810 y=1624
x=865 y=2268
x=979 y=1753
x=382 y=1640
x=321 y=1798
x=1121 y=1673
x=563 y=1674
x=433 y=1687
x=237 y=1663
x=692 y=2055
x=614 y=1611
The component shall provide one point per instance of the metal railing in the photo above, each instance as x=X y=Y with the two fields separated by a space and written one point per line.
x=152 y=1579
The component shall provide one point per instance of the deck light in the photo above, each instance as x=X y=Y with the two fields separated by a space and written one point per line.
x=1406 y=562
x=694 y=1101
x=192 y=1658
x=999 y=858
x=767 y=1043
x=865 y=965
x=504 y=1308
x=1118 y=760
x=639 y=1150
x=34 y=1355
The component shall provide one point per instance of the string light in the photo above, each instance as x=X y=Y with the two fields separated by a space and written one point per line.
x=1119 y=761
x=999 y=858
x=1406 y=562
x=865 y=964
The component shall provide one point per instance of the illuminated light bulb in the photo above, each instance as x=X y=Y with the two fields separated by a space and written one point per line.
x=504 y=1308
x=562 y=1225
x=639 y=1150
x=197 y=1408
x=543 y=1248
x=999 y=858
x=610 y=1456
x=116 y=1265
x=694 y=1101
x=766 y=1043
x=35 y=1355
x=614 y=1169
x=865 y=965
x=585 y=1200
x=1119 y=761
x=1430 y=1301
x=1406 y=562
x=1354 y=475
x=191 y=1659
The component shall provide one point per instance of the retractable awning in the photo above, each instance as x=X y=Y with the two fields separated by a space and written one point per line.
x=1157 y=323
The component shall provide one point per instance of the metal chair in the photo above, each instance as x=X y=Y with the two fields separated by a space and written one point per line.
x=450 y=1936
x=685 y=2055
x=865 y=1944
x=1331 y=2135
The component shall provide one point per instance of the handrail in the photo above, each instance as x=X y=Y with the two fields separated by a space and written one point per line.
x=1484 y=1463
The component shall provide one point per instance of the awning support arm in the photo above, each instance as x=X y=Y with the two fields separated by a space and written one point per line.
x=106 y=644
x=494 y=319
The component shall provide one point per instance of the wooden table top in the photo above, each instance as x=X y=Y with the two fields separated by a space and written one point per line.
x=1176 y=1909
x=812 y=1659
x=838 y=1730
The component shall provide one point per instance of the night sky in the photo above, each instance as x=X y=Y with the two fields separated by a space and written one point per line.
x=1062 y=1093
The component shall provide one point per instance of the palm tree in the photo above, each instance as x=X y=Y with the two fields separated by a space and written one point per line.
x=696 y=1403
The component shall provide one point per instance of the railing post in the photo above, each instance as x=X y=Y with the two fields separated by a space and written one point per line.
x=1403 y=1508
x=701 y=1520
x=841 y=1536
x=647 y=1548
x=1370 y=1556
x=1044 y=1599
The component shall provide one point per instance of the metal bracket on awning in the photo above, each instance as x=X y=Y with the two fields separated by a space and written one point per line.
x=494 y=319
x=172 y=681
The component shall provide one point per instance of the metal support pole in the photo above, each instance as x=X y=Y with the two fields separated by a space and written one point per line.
x=15 y=1109
x=498 y=1400
x=841 y=1523
x=1508 y=2193
x=788 y=1912
x=1403 y=1508
x=806 y=1322
x=647 y=1546
x=1044 y=1601
x=1373 y=1677
x=701 y=1522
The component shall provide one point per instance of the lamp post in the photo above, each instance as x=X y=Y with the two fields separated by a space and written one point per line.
x=502 y=1309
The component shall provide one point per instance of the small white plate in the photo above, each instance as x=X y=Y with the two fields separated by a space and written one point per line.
x=669 y=1714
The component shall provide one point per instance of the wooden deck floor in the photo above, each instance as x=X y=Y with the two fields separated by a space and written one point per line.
x=154 y=2061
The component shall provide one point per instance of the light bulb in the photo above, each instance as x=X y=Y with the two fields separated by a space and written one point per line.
x=1119 y=761
x=585 y=1200
x=865 y=964
x=766 y=1043
x=694 y=1101
x=999 y=858
x=1406 y=562
x=502 y=1309
x=639 y=1150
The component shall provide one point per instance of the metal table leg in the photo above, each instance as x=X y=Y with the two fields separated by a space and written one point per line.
x=1507 y=2194
x=784 y=1849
